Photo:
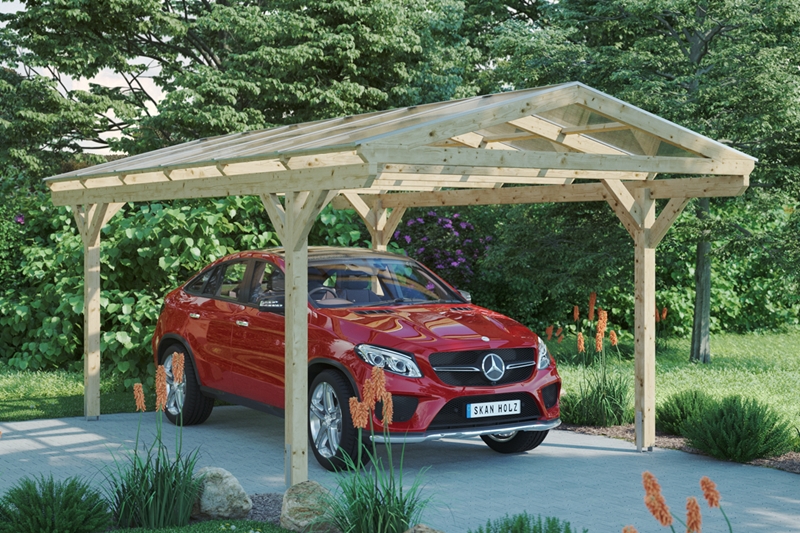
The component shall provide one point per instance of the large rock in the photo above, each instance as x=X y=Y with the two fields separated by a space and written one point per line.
x=304 y=505
x=221 y=496
x=422 y=528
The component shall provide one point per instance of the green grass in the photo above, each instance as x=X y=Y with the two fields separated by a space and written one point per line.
x=26 y=395
x=763 y=366
x=214 y=526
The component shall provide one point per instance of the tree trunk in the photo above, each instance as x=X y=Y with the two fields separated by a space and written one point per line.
x=701 y=348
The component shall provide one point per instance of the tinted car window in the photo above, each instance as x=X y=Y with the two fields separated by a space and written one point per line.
x=196 y=285
x=230 y=280
x=268 y=281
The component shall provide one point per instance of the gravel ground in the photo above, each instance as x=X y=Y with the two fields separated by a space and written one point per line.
x=266 y=507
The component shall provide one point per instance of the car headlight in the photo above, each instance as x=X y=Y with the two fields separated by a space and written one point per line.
x=544 y=356
x=389 y=360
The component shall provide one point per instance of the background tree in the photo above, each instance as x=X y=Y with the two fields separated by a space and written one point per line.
x=727 y=69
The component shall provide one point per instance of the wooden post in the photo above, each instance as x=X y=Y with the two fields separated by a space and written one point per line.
x=645 y=324
x=293 y=223
x=90 y=220
x=637 y=212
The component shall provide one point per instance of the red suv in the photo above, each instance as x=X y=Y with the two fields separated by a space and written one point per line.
x=454 y=369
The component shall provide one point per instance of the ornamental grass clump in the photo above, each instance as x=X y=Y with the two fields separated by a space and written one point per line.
x=525 y=523
x=657 y=506
x=42 y=504
x=371 y=498
x=673 y=413
x=739 y=429
x=154 y=489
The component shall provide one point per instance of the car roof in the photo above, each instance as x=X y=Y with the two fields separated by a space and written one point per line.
x=338 y=252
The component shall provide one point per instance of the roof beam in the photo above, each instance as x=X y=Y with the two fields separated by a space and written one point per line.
x=425 y=155
x=329 y=178
x=553 y=132
x=582 y=192
x=595 y=128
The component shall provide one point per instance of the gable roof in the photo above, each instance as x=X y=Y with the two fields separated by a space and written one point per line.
x=543 y=136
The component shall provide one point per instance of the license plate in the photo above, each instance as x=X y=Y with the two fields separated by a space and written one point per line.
x=480 y=410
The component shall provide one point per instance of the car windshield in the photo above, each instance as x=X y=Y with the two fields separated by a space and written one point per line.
x=373 y=282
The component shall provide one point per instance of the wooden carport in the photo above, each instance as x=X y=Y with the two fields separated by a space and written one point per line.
x=563 y=143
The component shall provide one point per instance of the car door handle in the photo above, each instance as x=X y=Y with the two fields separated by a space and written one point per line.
x=194 y=315
x=243 y=323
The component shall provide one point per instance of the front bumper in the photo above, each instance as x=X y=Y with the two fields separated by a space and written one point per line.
x=544 y=425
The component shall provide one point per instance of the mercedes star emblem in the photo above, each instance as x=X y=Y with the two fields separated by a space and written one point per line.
x=493 y=367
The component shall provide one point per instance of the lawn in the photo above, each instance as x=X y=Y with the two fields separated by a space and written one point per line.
x=763 y=366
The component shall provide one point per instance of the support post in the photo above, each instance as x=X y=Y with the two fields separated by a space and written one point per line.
x=645 y=324
x=637 y=211
x=293 y=223
x=90 y=219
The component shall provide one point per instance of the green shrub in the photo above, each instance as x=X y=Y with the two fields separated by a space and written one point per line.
x=739 y=429
x=604 y=399
x=44 y=505
x=673 y=413
x=525 y=523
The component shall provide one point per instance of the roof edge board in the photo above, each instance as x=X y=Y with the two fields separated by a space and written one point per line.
x=627 y=113
x=555 y=160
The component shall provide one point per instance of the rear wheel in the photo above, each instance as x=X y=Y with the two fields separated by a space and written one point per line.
x=184 y=398
x=515 y=441
x=330 y=427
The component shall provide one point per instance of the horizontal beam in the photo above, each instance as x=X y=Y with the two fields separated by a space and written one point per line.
x=340 y=177
x=453 y=170
x=595 y=128
x=426 y=155
x=583 y=192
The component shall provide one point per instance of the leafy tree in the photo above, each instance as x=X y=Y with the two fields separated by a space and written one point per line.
x=724 y=68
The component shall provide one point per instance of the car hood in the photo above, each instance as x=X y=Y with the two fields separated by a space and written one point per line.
x=436 y=328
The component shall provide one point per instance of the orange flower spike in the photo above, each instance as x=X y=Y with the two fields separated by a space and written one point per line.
x=388 y=408
x=560 y=338
x=694 y=519
x=369 y=395
x=658 y=315
x=592 y=301
x=654 y=500
x=581 y=346
x=664 y=314
x=576 y=314
x=161 y=388
x=178 y=362
x=602 y=323
x=710 y=492
x=358 y=413
x=549 y=331
x=138 y=395
x=629 y=529
x=379 y=377
x=613 y=337
x=558 y=332
x=598 y=341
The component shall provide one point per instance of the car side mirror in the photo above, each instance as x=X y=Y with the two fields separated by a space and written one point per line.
x=467 y=296
x=272 y=305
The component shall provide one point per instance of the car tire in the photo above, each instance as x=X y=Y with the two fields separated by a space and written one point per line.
x=516 y=442
x=329 y=421
x=184 y=400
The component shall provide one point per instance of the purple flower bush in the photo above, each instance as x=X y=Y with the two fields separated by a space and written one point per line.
x=446 y=243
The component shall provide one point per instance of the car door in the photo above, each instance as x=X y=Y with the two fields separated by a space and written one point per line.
x=257 y=342
x=212 y=321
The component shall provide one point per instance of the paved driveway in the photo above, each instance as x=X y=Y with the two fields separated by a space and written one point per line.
x=593 y=482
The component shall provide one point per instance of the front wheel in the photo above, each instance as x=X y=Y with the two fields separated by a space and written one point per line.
x=330 y=427
x=186 y=404
x=515 y=441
